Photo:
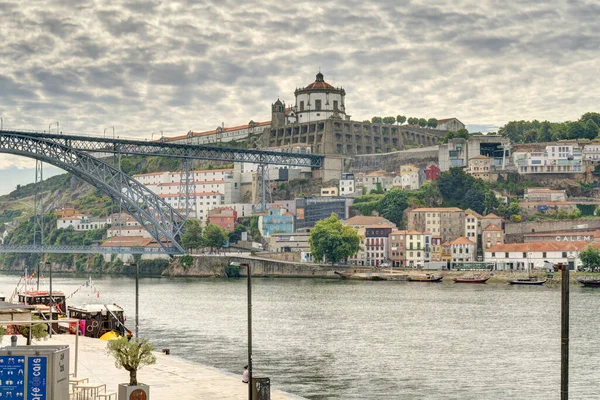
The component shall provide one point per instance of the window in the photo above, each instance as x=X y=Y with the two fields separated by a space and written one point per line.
x=301 y=106
x=544 y=254
x=505 y=255
x=335 y=105
x=564 y=254
x=318 y=105
x=525 y=255
x=493 y=254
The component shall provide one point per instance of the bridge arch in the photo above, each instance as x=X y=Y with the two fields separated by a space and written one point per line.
x=162 y=221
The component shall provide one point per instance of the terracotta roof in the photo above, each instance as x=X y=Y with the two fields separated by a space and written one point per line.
x=569 y=233
x=377 y=173
x=192 y=194
x=554 y=203
x=544 y=190
x=195 y=183
x=288 y=214
x=437 y=209
x=152 y=173
x=221 y=216
x=414 y=233
x=319 y=83
x=473 y=212
x=539 y=246
x=462 y=240
x=491 y=216
x=212 y=132
x=479 y=157
x=73 y=218
x=492 y=227
x=364 y=220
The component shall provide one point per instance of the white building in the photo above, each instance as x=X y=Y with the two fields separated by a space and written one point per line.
x=409 y=177
x=81 y=223
x=463 y=250
x=591 y=153
x=533 y=255
x=557 y=157
x=315 y=102
x=543 y=194
x=347 y=184
x=450 y=124
x=222 y=134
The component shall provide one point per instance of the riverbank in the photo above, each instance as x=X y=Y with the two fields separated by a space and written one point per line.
x=170 y=378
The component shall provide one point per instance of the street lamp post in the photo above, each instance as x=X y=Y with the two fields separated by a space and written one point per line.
x=564 y=330
x=113 y=129
x=152 y=134
x=57 y=127
x=249 y=273
x=137 y=296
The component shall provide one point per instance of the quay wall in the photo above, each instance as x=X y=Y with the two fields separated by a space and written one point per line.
x=392 y=161
x=215 y=266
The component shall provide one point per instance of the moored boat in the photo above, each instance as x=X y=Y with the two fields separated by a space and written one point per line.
x=98 y=319
x=528 y=281
x=426 y=278
x=470 y=280
x=589 y=282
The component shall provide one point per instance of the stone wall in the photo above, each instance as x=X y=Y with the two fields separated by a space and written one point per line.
x=214 y=266
x=514 y=231
x=391 y=162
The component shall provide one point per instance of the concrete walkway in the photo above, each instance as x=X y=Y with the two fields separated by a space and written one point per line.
x=170 y=378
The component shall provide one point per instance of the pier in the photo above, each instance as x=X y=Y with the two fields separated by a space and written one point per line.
x=170 y=378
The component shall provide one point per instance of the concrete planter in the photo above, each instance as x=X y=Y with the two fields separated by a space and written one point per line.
x=139 y=392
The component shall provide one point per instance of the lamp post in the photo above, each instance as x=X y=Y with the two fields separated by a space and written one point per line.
x=564 y=330
x=1 y=123
x=249 y=273
x=57 y=127
x=152 y=134
x=137 y=296
x=113 y=129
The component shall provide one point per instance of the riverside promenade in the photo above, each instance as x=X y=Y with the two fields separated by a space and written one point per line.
x=170 y=378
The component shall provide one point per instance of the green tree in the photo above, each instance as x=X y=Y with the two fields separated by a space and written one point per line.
x=393 y=204
x=591 y=116
x=214 y=236
x=389 y=120
x=413 y=121
x=591 y=129
x=378 y=189
x=192 y=234
x=432 y=123
x=429 y=194
x=364 y=189
x=377 y=120
x=400 y=119
x=422 y=122
x=332 y=241
x=38 y=331
x=131 y=355
x=590 y=257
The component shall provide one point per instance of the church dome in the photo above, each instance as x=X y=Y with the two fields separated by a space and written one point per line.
x=319 y=83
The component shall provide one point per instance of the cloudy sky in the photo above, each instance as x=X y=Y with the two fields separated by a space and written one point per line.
x=144 y=66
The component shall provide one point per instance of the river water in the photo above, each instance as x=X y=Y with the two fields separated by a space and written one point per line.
x=330 y=339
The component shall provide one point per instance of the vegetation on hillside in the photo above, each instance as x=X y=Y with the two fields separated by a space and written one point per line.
x=585 y=127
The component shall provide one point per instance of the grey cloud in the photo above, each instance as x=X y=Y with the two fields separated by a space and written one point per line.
x=181 y=65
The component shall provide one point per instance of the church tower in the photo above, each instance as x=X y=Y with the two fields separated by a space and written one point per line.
x=277 y=114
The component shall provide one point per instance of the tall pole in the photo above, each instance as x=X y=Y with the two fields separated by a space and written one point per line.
x=137 y=300
x=564 y=343
x=38 y=278
x=51 y=298
x=248 y=271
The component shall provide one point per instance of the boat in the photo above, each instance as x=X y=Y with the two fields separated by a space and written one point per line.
x=528 y=281
x=426 y=278
x=98 y=319
x=470 y=280
x=589 y=282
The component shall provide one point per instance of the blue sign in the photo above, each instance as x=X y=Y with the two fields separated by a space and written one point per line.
x=12 y=377
x=37 y=367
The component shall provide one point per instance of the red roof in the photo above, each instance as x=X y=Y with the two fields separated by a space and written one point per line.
x=539 y=246
x=462 y=240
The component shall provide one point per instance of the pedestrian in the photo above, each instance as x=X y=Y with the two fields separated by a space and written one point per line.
x=245 y=375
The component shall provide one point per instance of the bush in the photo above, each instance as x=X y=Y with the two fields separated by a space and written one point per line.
x=516 y=218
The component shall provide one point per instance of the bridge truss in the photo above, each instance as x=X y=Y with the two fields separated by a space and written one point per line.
x=162 y=221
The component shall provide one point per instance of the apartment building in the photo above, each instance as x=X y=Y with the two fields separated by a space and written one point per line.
x=463 y=250
x=556 y=158
x=482 y=167
x=397 y=247
x=81 y=223
x=491 y=236
x=534 y=255
x=447 y=223
x=347 y=184
x=409 y=177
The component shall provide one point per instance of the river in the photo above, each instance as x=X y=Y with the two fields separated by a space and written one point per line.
x=330 y=339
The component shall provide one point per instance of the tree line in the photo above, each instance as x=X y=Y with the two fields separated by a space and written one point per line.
x=585 y=127
x=401 y=119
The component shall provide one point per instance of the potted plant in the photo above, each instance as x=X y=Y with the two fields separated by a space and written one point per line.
x=132 y=355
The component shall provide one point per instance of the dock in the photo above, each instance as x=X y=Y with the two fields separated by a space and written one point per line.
x=170 y=378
